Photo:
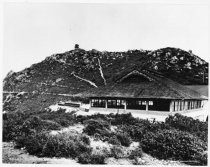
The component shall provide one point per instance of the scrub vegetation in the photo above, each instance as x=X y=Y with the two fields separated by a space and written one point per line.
x=179 y=138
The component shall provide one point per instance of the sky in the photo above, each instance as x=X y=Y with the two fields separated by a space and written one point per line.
x=33 y=31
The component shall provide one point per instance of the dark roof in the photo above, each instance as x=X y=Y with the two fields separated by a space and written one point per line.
x=158 y=87
x=202 y=89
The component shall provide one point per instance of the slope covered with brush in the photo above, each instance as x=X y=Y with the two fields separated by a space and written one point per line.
x=77 y=70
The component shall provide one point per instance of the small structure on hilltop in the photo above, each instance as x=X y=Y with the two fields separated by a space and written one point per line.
x=76 y=46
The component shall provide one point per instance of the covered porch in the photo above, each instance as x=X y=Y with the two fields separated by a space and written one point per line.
x=131 y=104
x=145 y=104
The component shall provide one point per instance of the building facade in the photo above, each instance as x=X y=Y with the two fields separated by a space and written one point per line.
x=146 y=91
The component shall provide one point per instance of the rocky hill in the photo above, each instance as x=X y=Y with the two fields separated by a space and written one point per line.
x=77 y=70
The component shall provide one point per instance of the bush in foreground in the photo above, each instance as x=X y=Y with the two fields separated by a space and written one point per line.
x=86 y=158
x=62 y=118
x=12 y=125
x=60 y=145
x=136 y=153
x=174 y=144
x=98 y=126
x=118 y=152
x=124 y=139
x=34 y=143
x=189 y=124
x=114 y=141
x=66 y=145
x=38 y=124
x=29 y=128
x=19 y=124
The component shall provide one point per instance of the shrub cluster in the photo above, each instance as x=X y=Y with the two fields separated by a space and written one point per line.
x=136 y=153
x=20 y=125
x=83 y=118
x=98 y=126
x=62 y=118
x=174 y=144
x=38 y=124
x=102 y=128
x=65 y=145
x=86 y=158
x=123 y=119
x=12 y=125
x=189 y=124
x=179 y=138
x=124 y=139
x=33 y=143
x=118 y=152
x=114 y=141
x=59 y=145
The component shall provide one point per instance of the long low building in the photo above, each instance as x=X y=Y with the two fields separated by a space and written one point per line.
x=146 y=91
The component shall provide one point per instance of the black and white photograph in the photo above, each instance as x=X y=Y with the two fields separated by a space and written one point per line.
x=105 y=82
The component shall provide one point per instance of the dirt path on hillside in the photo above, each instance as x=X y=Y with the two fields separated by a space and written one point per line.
x=11 y=155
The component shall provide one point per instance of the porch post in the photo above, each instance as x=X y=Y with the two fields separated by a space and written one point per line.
x=90 y=102
x=125 y=105
x=171 y=106
x=147 y=105
x=106 y=103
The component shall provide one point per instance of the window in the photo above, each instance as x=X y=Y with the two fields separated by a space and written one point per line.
x=98 y=103
x=196 y=104
x=123 y=102
x=144 y=102
x=116 y=103
x=150 y=103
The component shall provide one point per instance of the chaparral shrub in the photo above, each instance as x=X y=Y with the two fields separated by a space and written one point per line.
x=82 y=118
x=189 y=124
x=139 y=127
x=23 y=123
x=86 y=158
x=124 y=139
x=30 y=126
x=85 y=139
x=38 y=124
x=119 y=119
x=173 y=144
x=202 y=159
x=65 y=145
x=12 y=125
x=118 y=152
x=59 y=145
x=97 y=159
x=136 y=153
x=35 y=142
x=97 y=126
x=135 y=131
x=62 y=118
x=114 y=141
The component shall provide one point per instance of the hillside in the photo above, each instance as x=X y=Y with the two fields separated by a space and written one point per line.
x=78 y=70
x=41 y=134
